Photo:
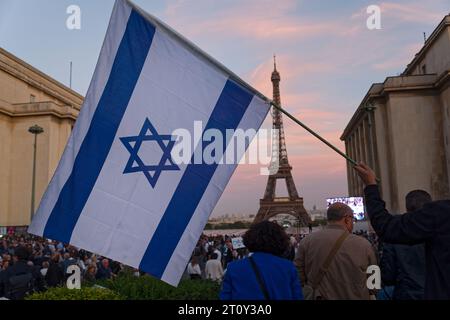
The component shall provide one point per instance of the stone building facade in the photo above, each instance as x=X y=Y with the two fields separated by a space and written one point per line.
x=402 y=126
x=28 y=97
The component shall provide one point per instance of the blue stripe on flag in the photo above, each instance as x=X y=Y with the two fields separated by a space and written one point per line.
x=125 y=72
x=227 y=114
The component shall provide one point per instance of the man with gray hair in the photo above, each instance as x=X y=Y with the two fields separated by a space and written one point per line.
x=332 y=263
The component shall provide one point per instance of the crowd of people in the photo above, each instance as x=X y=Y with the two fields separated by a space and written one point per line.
x=335 y=264
x=220 y=248
x=411 y=250
x=29 y=264
x=212 y=255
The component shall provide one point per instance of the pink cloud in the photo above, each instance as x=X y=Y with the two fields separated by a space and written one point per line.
x=319 y=166
x=417 y=12
x=412 y=11
x=261 y=28
x=347 y=51
x=322 y=122
x=256 y=19
x=305 y=143
x=316 y=176
x=309 y=107
x=291 y=69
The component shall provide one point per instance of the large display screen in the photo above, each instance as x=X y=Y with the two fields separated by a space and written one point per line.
x=356 y=203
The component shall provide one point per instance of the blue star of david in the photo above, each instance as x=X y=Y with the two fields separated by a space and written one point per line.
x=151 y=172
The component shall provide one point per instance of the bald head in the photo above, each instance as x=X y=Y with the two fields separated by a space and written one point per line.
x=337 y=211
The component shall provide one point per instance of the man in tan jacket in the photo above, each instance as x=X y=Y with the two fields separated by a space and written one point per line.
x=345 y=277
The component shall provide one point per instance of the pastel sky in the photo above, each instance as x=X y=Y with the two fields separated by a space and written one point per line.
x=326 y=56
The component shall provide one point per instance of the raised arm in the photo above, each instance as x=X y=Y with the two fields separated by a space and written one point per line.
x=409 y=228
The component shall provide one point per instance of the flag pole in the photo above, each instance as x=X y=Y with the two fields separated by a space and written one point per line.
x=290 y=116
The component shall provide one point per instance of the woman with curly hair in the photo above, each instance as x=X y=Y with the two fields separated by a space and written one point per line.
x=266 y=274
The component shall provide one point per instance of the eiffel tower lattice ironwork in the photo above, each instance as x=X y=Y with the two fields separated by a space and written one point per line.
x=271 y=205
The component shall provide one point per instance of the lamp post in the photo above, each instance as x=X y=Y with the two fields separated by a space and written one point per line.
x=34 y=130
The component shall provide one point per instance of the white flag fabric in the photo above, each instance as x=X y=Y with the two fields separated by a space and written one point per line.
x=117 y=190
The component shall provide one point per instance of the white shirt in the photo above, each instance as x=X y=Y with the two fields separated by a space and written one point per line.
x=44 y=272
x=214 y=270
x=194 y=269
x=81 y=265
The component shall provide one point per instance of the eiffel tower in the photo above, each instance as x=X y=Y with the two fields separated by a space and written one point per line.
x=271 y=205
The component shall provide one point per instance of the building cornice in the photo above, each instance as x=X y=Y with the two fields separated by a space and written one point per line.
x=373 y=93
x=35 y=78
x=400 y=84
x=430 y=41
x=409 y=83
x=443 y=81
x=39 y=109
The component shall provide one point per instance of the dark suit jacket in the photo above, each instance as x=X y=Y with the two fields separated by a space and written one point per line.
x=429 y=225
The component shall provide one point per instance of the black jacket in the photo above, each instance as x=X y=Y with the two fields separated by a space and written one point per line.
x=2 y=283
x=21 y=268
x=403 y=267
x=429 y=225
x=55 y=275
x=103 y=273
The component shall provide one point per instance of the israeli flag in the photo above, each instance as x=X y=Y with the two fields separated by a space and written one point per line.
x=118 y=191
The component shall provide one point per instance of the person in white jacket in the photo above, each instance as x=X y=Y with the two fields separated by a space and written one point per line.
x=193 y=269
x=213 y=269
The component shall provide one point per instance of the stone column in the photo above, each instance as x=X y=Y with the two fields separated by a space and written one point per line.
x=355 y=157
x=349 y=167
x=359 y=158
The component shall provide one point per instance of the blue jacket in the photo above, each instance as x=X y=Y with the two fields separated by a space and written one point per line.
x=279 y=275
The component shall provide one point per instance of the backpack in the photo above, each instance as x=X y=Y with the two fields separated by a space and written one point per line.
x=20 y=285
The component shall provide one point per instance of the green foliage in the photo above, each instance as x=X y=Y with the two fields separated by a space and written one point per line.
x=148 y=288
x=208 y=226
x=85 y=293
x=129 y=287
